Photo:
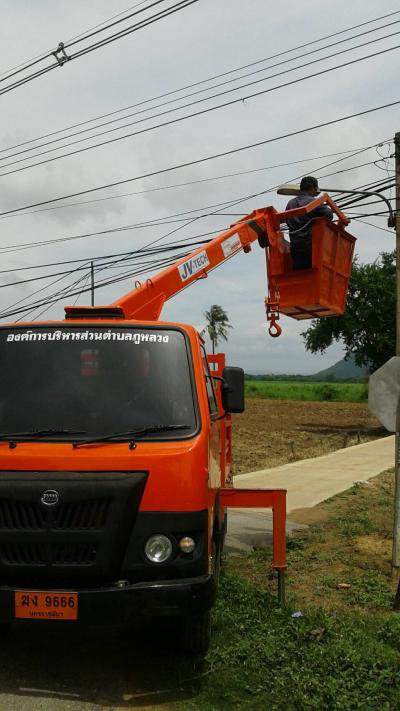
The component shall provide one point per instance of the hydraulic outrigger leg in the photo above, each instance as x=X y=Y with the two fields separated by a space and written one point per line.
x=274 y=499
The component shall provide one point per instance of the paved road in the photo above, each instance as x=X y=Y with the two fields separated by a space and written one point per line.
x=92 y=669
x=308 y=482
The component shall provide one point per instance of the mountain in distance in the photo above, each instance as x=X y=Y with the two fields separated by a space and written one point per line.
x=342 y=371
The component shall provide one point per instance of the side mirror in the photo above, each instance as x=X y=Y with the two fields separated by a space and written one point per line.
x=232 y=391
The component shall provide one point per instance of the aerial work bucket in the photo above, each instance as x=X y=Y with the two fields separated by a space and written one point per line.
x=320 y=290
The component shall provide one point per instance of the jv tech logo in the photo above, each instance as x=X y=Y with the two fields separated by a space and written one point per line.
x=193 y=265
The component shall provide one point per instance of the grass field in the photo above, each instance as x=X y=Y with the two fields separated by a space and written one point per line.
x=335 y=646
x=292 y=390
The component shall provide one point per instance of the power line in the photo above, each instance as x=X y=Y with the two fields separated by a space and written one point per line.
x=95 y=31
x=382 y=213
x=170 y=246
x=157 y=240
x=189 y=182
x=144 y=249
x=154 y=222
x=59 y=295
x=106 y=264
x=377 y=227
x=180 y=98
x=218 y=76
x=51 y=53
x=205 y=159
x=64 y=293
x=181 y=118
x=123 y=33
x=45 y=54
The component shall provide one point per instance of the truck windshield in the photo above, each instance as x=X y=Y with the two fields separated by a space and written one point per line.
x=95 y=381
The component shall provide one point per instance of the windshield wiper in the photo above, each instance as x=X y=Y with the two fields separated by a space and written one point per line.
x=39 y=433
x=130 y=433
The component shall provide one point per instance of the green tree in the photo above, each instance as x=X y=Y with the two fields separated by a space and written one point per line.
x=217 y=325
x=367 y=328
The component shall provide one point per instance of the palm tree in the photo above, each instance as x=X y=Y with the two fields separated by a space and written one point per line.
x=217 y=324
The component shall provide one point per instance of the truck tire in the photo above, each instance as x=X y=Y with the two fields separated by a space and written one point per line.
x=196 y=633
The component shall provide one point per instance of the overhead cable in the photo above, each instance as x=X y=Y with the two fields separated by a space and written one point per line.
x=48 y=53
x=184 y=118
x=180 y=98
x=206 y=159
x=145 y=247
x=217 y=76
x=63 y=57
x=188 y=183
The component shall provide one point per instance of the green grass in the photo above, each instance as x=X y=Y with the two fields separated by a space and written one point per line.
x=263 y=658
x=291 y=390
x=342 y=653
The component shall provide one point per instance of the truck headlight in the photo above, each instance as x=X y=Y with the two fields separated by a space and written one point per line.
x=158 y=548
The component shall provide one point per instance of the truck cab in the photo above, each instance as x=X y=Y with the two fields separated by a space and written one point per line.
x=114 y=444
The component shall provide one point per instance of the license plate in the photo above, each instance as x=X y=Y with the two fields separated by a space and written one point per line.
x=34 y=605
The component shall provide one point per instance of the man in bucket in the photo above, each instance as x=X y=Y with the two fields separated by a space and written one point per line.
x=300 y=227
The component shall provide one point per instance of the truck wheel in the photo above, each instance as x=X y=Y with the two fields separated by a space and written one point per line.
x=196 y=633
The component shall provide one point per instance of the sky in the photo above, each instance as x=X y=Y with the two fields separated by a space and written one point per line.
x=208 y=38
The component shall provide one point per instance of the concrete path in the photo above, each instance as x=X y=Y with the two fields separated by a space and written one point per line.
x=308 y=482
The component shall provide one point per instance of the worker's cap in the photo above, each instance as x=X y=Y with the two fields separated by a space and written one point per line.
x=309 y=182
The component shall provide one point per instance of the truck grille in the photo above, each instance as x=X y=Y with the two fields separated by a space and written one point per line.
x=87 y=528
x=84 y=515
x=37 y=554
x=16 y=515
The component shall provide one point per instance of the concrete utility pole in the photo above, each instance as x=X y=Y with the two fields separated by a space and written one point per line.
x=396 y=529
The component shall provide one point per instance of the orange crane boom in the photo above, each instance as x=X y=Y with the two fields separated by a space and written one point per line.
x=146 y=300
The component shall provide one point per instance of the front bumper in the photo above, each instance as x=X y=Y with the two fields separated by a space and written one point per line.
x=121 y=605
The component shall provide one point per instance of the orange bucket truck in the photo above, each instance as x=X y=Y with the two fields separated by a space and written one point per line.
x=116 y=448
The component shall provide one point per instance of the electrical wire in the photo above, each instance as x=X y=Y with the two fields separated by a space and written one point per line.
x=301 y=66
x=118 y=35
x=112 y=265
x=48 y=53
x=217 y=76
x=187 y=183
x=51 y=53
x=125 y=256
x=154 y=222
x=377 y=227
x=59 y=295
x=181 y=118
x=170 y=246
x=198 y=161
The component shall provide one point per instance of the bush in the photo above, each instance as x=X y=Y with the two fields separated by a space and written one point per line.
x=328 y=392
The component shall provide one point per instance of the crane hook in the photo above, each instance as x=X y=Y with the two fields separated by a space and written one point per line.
x=274 y=328
x=272 y=310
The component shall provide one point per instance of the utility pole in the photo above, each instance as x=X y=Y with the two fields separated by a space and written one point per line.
x=92 y=281
x=396 y=528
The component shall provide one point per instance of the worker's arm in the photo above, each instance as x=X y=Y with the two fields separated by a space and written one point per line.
x=322 y=211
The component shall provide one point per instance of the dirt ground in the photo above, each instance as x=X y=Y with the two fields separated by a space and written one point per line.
x=273 y=432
